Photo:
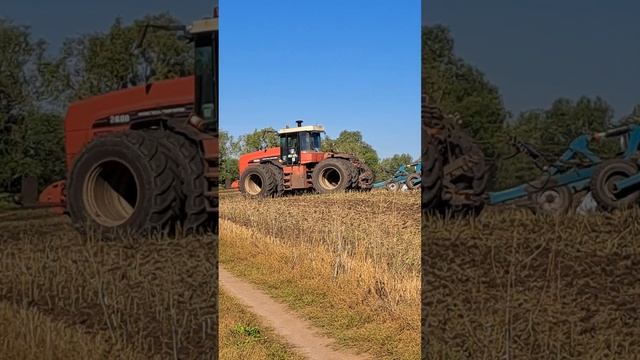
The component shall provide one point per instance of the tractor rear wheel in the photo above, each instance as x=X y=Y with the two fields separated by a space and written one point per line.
x=455 y=177
x=333 y=175
x=603 y=185
x=123 y=184
x=188 y=159
x=365 y=176
x=432 y=158
x=258 y=181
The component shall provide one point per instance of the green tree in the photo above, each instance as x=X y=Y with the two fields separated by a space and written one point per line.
x=633 y=117
x=388 y=166
x=351 y=142
x=552 y=130
x=30 y=140
x=459 y=88
x=36 y=149
x=98 y=63
x=258 y=140
x=229 y=151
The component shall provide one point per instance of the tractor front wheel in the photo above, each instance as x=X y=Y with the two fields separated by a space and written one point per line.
x=122 y=184
x=194 y=217
x=258 y=181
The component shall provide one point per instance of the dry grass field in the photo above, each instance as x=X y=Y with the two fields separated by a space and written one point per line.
x=63 y=296
x=512 y=285
x=155 y=297
x=347 y=262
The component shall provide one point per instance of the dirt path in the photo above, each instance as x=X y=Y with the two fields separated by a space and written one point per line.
x=297 y=331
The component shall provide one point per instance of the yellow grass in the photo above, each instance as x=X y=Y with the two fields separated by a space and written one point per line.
x=348 y=262
x=28 y=334
x=155 y=295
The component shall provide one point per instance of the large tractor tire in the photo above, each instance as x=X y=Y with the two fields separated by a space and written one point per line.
x=366 y=177
x=334 y=175
x=454 y=175
x=184 y=153
x=432 y=158
x=603 y=185
x=278 y=178
x=259 y=181
x=123 y=184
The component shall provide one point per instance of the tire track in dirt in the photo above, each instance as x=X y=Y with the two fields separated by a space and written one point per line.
x=298 y=332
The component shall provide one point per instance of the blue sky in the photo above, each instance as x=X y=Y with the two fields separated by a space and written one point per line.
x=56 y=20
x=537 y=51
x=348 y=65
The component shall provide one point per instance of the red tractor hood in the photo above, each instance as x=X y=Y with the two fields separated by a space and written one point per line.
x=82 y=114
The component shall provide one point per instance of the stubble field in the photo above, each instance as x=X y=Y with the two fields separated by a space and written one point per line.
x=512 y=285
x=144 y=298
x=347 y=262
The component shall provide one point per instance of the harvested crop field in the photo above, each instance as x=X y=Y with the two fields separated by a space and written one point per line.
x=512 y=285
x=148 y=298
x=347 y=262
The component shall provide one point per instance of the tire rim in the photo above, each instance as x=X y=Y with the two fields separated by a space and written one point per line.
x=550 y=201
x=330 y=178
x=110 y=193
x=253 y=184
x=392 y=187
x=610 y=186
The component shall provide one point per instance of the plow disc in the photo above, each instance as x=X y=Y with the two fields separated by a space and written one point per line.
x=455 y=174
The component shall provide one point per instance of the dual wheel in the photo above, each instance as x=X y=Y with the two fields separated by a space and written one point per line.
x=138 y=183
x=329 y=176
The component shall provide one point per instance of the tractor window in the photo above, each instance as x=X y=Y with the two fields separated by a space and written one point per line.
x=292 y=143
x=310 y=141
x=206 y=78
x=305 y=142
x=289 y=149
x=315 y=141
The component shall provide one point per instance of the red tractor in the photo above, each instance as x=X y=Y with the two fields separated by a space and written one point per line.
x=145 y=159
x=298 y=164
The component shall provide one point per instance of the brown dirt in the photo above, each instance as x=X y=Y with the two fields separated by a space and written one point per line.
x=297 y=331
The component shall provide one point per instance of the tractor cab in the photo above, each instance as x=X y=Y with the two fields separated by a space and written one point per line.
x=301 y=144
x=204 y=34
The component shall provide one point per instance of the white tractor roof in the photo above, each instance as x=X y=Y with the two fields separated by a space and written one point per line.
x=310 y=128
x=204 y=25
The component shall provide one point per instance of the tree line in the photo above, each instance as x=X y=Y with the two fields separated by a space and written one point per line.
x=347 y=141
x=460 y=88
x=36 y=86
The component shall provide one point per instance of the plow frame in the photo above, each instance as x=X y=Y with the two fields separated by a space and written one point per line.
x=574 y=173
